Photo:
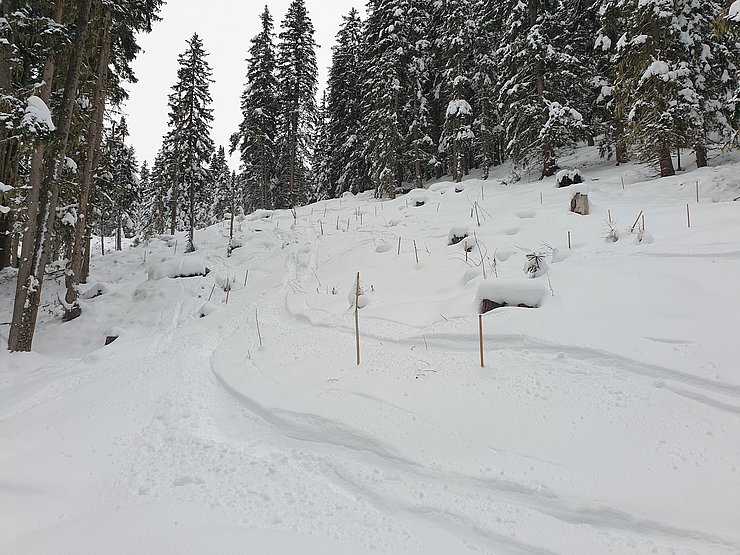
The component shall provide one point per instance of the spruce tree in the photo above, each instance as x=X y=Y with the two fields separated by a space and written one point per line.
x=190 y=122
x=537 y=79
x=297 y=84
x=220 y=176
x=347 y=170
x=256 y=136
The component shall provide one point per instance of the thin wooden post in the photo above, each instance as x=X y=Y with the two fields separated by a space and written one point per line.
x=622 y=183
x=337 y=222
x=610 y=215
x=246 y=277
x=228 y=290
x=688 y=216
x=212 y=290
x=634 y=225
x=322 y=227
x=175 y=246
x=257 y=320
x=643 y=222
x=399 y=246
x=357 y=318
x=697 y=192
x=102 y=246
x=569 y=243
x=480 y=335
x=542 y=198
x=416 y=251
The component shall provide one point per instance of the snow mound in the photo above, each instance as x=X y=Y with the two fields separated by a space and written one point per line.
x=565 y=178
x=100 y=288
x=511 y=292
x=260 y=215
x=37 y=116
x=181 y=267
x=457 y=234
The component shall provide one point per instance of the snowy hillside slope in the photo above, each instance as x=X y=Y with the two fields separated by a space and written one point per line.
x=607 y=420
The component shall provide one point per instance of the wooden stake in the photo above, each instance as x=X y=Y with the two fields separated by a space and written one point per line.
x=697 y=192
x=360 y=218
x=569 y=243
x=634 y=225
x=212 y=290
x=480 y=334
x=256 y=319
x=102 y=246
x=610 y=216
x=325 y=211
x=688 y=216
x=542 y=198
x=322 y=227
x=175 y=246
x=246 y=277
x=623 y=183
x=228 y=290
x=357 y=318
x=416 y=252
x=643 y=222
x=337 y=222
x=399 y=246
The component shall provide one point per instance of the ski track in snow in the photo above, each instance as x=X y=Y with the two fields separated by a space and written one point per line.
x=195 y=413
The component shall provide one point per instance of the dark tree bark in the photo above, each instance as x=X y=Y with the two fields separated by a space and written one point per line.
x=80 y=247
x=666 y=163
x=36 y=252
x=701 y=156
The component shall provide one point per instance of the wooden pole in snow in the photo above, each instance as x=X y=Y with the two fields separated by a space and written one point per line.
x=480 y=335
x=246 y=277
x=634 y=225
x=357 y=317
x=623 y=183
x=569 y=243
x=697 y=192
x=610 y=215
x=416 y=251
x=257 y=320
x=399 y=246
x=212 y=290
x=688 y=216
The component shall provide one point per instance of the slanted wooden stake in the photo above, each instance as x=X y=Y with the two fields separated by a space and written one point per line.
x=688 y=216
x=480 y=335
x=399 y=246
x=357 y=318
x=257 y=320
x=416 y=252
x=569 y=243
x=634 y=225
x=246 y=277
x=212 y=290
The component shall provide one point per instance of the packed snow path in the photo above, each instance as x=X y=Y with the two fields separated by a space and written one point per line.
x=606 y=421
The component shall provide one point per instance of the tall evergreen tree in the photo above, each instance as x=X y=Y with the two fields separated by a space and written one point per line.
x=537 y=77
x=347 y=170
x=256 y=136
x=190 y=122
x=297 y=85
x=220 y=178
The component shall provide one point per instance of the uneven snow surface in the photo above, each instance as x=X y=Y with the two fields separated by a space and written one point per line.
x=605 y=421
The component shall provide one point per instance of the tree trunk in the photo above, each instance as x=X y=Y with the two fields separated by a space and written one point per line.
x=8 y=160
x=80 y=247
x=191 y=231
x=666 y=163
x=701 y=156
x=36 y=251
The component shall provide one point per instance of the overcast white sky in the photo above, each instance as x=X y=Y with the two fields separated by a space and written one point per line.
x=226 y=27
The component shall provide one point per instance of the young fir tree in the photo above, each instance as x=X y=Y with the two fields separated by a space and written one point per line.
x=255 y=138
x=154 y=204
x=455 y=46
x=537 y=78
x=190 y=122
x=347 y=170
x=320 y=162
x=386 y=50
x=297 y=84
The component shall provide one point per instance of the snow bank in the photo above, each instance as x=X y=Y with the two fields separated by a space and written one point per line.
x=260 y=215
x=457 y=234
x=185 y=266
x=734 y=13
x=100 y=288
x=512 y=292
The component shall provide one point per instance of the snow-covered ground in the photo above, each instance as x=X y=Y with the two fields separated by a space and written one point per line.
x=607 y=420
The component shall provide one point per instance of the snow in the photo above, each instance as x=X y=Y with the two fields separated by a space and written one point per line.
x=734 y=13
x=37 y=115
x=604 y=421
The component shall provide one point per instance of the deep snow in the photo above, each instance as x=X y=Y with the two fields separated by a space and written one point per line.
x=605 y=421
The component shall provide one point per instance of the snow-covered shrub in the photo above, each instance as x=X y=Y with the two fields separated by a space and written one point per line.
x=535 y=265
x=566 y=178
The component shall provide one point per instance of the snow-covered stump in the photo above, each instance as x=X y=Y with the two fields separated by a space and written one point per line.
x=579 y=204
